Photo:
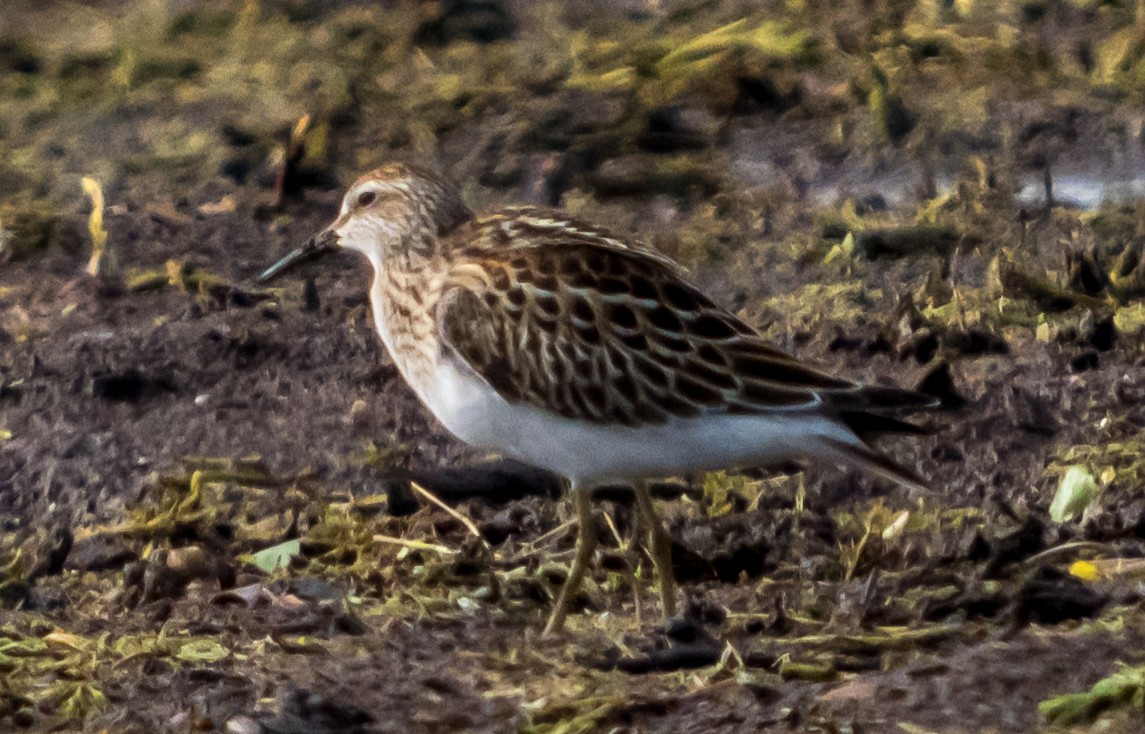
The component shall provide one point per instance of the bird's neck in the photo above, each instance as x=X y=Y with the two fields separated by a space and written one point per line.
x=401 y=298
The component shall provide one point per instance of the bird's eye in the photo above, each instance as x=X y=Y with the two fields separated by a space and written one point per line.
x=367 y=197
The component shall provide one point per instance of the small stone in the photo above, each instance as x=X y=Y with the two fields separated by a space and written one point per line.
x=243 y=725
x=100 y=553
x=190 y=562
x=624 y=176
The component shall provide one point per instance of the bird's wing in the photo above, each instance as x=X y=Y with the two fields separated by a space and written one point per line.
x=604 y=333
x=527 y=227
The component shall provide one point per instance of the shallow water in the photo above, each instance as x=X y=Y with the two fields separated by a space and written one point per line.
x=1097 y=177
x=902 y=187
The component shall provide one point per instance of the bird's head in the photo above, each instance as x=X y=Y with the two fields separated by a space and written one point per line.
x=396 y=211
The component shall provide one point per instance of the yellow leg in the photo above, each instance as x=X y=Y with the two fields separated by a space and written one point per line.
x=585 y=545
x=661 y=549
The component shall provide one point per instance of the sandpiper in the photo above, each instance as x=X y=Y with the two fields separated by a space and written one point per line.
x=552 y=341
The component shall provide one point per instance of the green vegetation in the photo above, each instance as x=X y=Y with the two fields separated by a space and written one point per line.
x=724 y=139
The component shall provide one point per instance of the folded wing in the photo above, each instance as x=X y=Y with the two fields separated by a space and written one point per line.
x=596 y=331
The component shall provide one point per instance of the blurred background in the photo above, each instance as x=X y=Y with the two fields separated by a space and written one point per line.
x=887 y=101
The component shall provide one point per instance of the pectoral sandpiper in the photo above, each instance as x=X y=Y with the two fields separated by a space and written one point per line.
x=552 y=341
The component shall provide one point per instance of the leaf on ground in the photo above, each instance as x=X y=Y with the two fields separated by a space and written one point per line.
x=1108 y=568
x=1084 y=570
x=95 y=228
x=768 y=38
x=22 y=647
x=201 y=651
x=1072 y=709
x=1076 y=491
x=275 y=557
x=1130 y=319
x=67 y=639
x=82 y=701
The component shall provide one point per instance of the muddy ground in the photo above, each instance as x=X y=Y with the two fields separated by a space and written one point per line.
x=937 y=195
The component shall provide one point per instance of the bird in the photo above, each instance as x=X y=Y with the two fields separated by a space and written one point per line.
x=551 y=340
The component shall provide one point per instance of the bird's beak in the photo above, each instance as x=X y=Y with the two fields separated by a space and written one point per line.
x=319 y=245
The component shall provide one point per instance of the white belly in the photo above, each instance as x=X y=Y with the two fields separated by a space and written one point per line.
x=590 y=454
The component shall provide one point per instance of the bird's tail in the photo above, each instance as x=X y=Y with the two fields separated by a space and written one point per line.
x=869 y=411
x=858 y=453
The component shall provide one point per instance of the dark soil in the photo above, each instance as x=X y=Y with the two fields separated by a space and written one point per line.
x=169 y=418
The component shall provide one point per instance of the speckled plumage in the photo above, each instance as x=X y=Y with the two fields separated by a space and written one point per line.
x=560 y=344
x=559 y=315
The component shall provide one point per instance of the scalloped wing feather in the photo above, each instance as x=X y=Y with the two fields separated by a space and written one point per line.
x=590 y=328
